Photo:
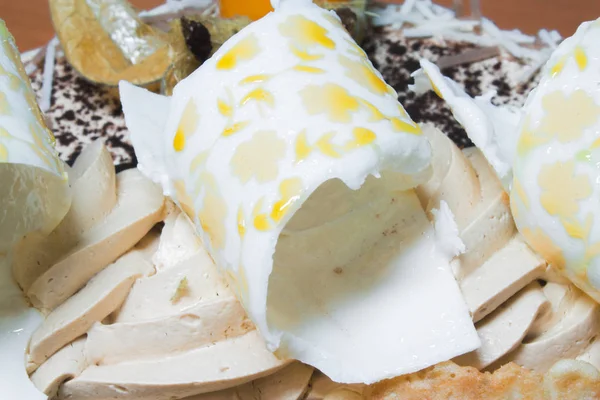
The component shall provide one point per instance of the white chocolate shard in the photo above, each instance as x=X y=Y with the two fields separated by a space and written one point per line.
x=556 y=177
x=34 y=194
x=178 y=241
x=139 y=206
x=493 y=129
x=65 y=364
x=225 y=364
x=298 y=175
x=34 y=197
x=102 y=295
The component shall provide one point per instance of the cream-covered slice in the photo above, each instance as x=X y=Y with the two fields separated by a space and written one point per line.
x=556 y=176
x=568 y=331
x=99 y=298
x=495 y=263
x=497 y=275
x=139 y=206
x=93 y=186
x=194 y=326
x=185 y=310
x=504 y=329
x=482 y=214
x=222 y=365
x=290 y=383
x=34 y=197
x=500 y=276
x=297 y=165
x=65 y=364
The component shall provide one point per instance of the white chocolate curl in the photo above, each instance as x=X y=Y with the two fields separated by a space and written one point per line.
x=34 y=192
x=297 y=165
x=34 y=197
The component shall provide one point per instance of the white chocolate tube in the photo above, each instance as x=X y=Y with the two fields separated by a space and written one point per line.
x=556 y=183
x=34 y=192
x=296 y=163
x=34 y=197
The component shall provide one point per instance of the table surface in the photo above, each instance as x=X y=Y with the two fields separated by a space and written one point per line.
x=29 y=20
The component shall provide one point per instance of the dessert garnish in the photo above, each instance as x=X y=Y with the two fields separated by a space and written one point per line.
x=281 y=198
x=107 y=41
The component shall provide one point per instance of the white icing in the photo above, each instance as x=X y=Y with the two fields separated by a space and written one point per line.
x=493 y=129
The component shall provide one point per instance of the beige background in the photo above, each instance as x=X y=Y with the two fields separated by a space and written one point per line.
x=29 y=20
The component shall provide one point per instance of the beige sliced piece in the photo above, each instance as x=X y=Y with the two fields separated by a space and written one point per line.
x=592 y=353
x=139 y=206
x=201 y=324
x=343 y=394
x=148 y=245
x=322 y=386
x=491 y=225
x=178 y=241
x=65 y=364
x=566 y=338
x=153 y=297
x=504 y=329
x=220 y=366
x=103 y=294
x=93 y=188
x=450 y=168
x=289 y=383
x=503 y=274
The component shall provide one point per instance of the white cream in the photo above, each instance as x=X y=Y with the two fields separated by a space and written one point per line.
x=493 y=129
